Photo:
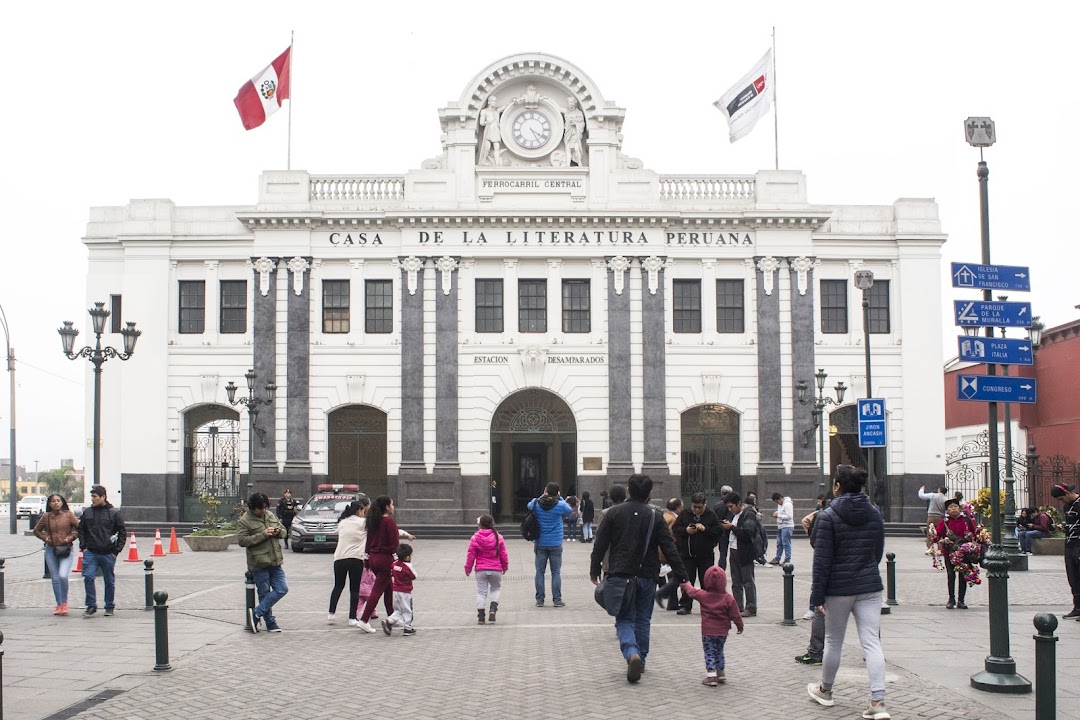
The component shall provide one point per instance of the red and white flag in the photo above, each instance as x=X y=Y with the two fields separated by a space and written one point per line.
x=261 y=96
x=749 y=99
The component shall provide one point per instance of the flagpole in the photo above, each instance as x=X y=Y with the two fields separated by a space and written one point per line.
x=288 y=157
x=776 y=106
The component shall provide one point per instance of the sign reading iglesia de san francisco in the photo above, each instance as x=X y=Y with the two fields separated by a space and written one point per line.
x=568 y=238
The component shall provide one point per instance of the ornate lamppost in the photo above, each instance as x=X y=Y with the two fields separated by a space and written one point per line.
x=820 y=403
x=252 y=403
x=11 y=374
x=97 y=355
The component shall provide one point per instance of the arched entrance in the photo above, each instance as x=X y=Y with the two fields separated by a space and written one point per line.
x=533 y=442
x=211 y=457
x=710 y=449
x=844 y=444
x=357 y=444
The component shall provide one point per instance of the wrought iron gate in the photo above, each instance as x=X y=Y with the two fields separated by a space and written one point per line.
x=213 y=464
x=967 y=469
x=710 y=449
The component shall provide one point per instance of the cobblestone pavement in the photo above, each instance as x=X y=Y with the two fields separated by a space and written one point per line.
x=536 y=662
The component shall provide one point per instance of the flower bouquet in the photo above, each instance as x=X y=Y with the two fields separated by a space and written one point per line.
x=963 y=551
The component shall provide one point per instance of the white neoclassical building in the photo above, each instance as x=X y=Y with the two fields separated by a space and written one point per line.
x=530 y=305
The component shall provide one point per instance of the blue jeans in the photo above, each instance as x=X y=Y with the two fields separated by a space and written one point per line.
x=271 y=586
x=554 y=554
x=59 y=569
x=92 y=562
x=633 y=624
x=1025 y=538
x=783 y=544
x=586 y=531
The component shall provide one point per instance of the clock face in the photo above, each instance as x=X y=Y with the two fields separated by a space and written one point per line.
x=531 y=129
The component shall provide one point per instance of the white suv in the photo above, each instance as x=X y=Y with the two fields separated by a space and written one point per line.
x=31 y=505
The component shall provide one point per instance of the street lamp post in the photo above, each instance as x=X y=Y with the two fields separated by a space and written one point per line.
x=97 y=355
x=864 y=280
x=12 y=519
x=818 y=412
x=999 y=673
x=252 y=403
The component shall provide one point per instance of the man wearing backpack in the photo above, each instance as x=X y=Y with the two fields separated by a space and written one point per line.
x=744 y=547
x=550 y=509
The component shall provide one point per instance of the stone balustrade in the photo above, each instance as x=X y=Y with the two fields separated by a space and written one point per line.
x=706 y=188
x=359 y=188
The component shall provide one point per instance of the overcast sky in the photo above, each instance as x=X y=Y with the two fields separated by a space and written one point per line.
x=135 y=101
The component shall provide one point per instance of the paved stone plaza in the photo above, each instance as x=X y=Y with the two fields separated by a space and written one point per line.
x=535 y=663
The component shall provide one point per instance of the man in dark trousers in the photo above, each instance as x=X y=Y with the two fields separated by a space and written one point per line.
x=745 y=533
x=624 y=530
x=722 y=513
x=697 y=530
x=101 y=538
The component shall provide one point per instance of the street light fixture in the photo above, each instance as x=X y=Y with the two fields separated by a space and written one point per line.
x=864 y=280
x=252 y=403
x=818 y=412
x=12 y=518
x=97 y=355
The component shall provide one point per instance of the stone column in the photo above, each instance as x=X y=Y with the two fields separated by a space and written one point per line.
x=804 y=436
x=770 y=434
x=446 y=365
x=620 y=458
x=264 y=354
x=298 y=373
x=654 y=369
x=412 y=365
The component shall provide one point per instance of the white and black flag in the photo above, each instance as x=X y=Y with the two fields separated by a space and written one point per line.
x=749 y=99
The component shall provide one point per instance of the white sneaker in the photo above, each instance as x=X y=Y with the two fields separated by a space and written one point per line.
x=366 y=627
x=354 y=623
x=821 y=697
x=876 y=712
x=809 y=615
x=330 y=617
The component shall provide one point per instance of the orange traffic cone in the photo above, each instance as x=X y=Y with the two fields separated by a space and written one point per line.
x=159 y=551
x=78 y=565
x=174 y=546
x=133 y=551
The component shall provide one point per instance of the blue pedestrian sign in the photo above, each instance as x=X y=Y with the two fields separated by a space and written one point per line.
x=984 y=313
x=996 y=388
x=991 y=277
x=871 y=412
x=1003 y=351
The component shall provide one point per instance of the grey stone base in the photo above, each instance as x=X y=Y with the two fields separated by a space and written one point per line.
x=150 y=497
x=902 y=496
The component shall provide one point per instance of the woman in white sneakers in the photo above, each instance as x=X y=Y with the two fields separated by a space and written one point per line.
x=349 y=556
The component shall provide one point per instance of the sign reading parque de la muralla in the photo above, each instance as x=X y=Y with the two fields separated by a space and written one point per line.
x=565 y=238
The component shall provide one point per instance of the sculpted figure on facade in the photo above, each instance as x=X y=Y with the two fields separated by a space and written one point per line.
x=574 y=131
x=491 y=144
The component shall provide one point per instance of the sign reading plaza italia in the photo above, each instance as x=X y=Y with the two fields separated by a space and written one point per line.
x=584 y=237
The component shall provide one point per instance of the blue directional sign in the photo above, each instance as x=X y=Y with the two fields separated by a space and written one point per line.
x=871 y=412
x=991 y=277
x=982 y=313
x=996 y=388
x=1003 y=351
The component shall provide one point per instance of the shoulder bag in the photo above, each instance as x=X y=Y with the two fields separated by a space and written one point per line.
x=59 y=551
x=615 y=593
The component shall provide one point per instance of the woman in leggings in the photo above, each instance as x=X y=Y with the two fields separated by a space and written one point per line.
x=349 y=557
x=382 y=543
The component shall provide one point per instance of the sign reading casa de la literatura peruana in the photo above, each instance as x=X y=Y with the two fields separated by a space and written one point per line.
x=568 y=238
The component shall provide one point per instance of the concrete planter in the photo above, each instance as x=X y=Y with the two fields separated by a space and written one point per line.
x=209 y=543
x=1048 y=546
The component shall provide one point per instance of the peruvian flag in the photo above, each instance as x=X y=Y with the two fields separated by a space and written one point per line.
x=261 y=96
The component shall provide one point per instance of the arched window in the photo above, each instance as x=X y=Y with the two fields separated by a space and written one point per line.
x=211 y=445
x=710 y=449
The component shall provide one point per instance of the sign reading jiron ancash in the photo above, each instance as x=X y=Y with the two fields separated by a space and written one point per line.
x=599 y=239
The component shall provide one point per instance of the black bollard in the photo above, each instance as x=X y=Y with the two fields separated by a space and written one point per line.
x=2 y=605
x=149 y=582
x=249 y=594
x=1045 y=667
x=789 y=594
x=890 y=583
x=161 y=631
x=1 y=675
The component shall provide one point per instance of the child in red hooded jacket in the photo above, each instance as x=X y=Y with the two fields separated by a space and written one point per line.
x=718 y=613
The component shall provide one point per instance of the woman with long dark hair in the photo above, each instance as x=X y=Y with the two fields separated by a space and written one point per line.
x=382 y=543
x=349 y=556
x=58 y=528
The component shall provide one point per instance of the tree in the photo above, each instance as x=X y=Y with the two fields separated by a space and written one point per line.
x=62 y=482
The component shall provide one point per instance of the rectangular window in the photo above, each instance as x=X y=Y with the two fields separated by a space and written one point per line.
x=730 y=316
x=379 y=306
x=834 y=306
x=489 y=306
x=687 y=305
x=233 y=306
x=115 y=316
x=878 y=311
x=335 y=306
x=575 y=306
x=532 y=306
x=192 y=306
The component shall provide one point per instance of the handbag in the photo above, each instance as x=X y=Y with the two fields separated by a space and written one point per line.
x=367 y=583
x=616 y=593
x=62 y=551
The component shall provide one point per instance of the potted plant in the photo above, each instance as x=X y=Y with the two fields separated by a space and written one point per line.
x=215 y=535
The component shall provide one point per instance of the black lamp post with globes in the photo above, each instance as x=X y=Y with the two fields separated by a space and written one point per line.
x=252 y=403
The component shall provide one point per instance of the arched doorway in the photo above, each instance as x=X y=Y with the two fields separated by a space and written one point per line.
x=710 y=449
x=211 y=457
x=357 y=443
x=533 y=442
x=844 y=445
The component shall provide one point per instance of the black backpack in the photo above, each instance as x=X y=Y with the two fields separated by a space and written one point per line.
x=530 y=527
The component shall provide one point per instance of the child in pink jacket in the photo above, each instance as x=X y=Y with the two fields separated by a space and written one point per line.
x=718 y=613
x=487 y=553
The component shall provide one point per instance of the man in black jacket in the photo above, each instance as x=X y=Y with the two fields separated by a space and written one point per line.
x=623 y=530
x=696 y=530
x=745 y=532
x=722 y=513
x=101 y=538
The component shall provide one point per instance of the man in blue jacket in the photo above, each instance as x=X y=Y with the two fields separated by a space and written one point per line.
x=550 y=509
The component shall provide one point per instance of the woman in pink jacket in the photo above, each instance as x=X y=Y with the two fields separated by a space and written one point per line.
x=487 y=553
